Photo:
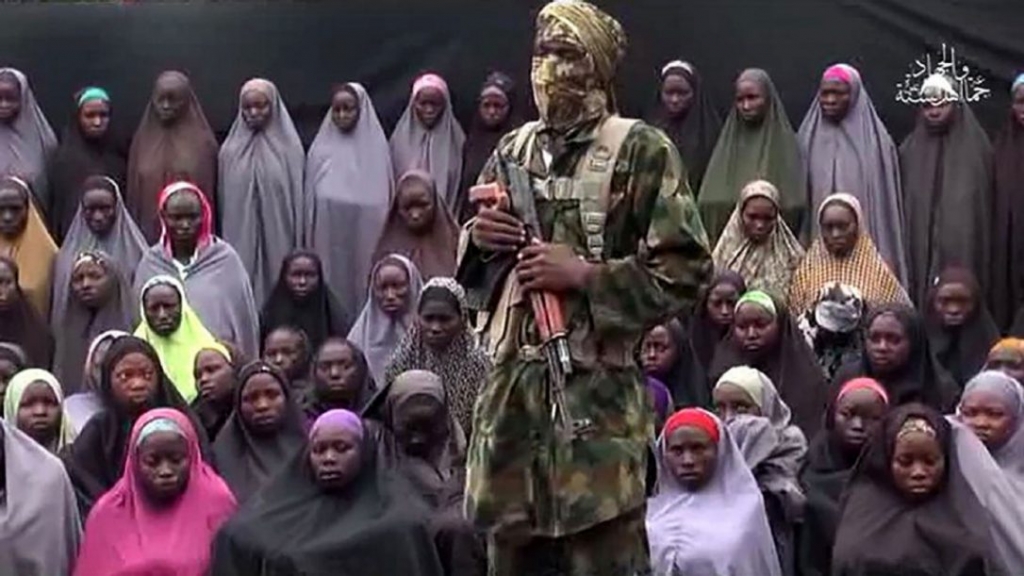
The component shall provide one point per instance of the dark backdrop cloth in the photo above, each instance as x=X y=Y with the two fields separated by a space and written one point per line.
x=1007 y=280
x=229 y=42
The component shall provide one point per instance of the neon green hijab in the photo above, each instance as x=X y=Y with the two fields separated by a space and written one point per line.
x=16 y=390
x=178 y=350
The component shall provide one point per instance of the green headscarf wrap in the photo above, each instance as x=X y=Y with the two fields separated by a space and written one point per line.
x=760 y=298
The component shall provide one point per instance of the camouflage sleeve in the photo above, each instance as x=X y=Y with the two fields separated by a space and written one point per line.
x=659 y=257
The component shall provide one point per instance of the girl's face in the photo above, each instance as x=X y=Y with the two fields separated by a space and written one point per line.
x=756 y=329
x=429 y=104
x=416 y=205
x=391 y=289
x=134 y=382
x=887 y=345
x=918 y=465
x=722 y=304
x=302 y=277
x=345 y=110
x=39 y=413
x=989 y=417
x=658 y=352
x=858 y=414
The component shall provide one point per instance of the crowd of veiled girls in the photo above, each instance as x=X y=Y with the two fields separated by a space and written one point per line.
x=183 y=326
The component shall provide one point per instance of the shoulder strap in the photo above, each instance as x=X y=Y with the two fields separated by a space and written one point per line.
x=524 y=141
x=594 y=180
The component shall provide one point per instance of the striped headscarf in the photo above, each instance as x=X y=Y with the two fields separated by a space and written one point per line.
x=766 y=266
x=863 y=269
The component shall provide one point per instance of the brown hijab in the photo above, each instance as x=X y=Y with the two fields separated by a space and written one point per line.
x=161 y=153
x=433 y=250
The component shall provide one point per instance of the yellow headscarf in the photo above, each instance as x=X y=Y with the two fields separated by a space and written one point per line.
x=34 y=251
x=16 y=390
x=177 y=351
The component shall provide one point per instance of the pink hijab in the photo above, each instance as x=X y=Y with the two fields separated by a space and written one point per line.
x=125 y=536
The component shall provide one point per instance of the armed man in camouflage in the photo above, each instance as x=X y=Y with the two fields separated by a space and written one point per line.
x=621 y=242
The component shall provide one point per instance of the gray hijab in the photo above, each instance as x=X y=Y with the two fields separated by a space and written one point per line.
x=720 y=529
x=26 y=143
x=772 y=446
x=376 y=333
x=434 y=476
x=261 y=198
x=1009 y=456
x=39 y=524
x=76 y=327
x=857 y=156
x=216 y=286
x=349 y=184
x=998 y=491
x=438 y=150
x=125 y=245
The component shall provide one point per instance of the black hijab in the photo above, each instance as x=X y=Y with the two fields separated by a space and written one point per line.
x=319 y=315
x=482 y=139
x=376 y=525
x=791 y=366
x=316 y=402
x=696 y=133
x=882 y=532
x=22 y=325
x=77 y=158
x=947 y=197
x=961 y=350
x=703 y=334
x=95 y=462
x=214 y=414
x=826 y=472
x=686 y=391
x=922 y=379
x=246 y=461
x=1007 y=282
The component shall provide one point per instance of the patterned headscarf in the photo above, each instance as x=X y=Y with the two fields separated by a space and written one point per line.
x=863 y=268
x=462 y=366
x=766 y=266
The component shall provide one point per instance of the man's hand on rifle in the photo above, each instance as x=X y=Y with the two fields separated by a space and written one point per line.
x=552 y=267
x=497 y=231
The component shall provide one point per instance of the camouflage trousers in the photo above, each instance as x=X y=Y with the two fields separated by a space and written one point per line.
x=617 y=547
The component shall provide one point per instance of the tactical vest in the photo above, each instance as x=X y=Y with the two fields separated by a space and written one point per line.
x=591 y=186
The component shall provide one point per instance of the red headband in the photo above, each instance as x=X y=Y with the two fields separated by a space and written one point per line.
x=863 y=384
x=694 y=418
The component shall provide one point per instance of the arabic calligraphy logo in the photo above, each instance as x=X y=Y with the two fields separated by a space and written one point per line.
x=970 y=87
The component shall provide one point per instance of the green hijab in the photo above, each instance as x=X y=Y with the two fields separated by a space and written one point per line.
x=177 y=351
x=746 y=152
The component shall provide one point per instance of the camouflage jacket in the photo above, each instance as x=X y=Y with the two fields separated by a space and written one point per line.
x=522 y=477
